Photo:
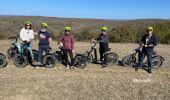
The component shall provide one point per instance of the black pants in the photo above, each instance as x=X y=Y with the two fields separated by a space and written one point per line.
x=66 y=52
x=42 y=48
x=102 y=51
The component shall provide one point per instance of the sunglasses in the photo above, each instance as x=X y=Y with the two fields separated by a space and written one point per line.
x=67 y=31
x=148 y=30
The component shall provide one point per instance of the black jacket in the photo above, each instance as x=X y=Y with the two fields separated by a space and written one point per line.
x=146 y=40
x=103 y=40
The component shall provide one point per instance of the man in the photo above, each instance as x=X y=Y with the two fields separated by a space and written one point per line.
x=149 y=41
x=44 y=42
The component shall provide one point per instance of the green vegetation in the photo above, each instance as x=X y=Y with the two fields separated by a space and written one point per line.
x=86 y=29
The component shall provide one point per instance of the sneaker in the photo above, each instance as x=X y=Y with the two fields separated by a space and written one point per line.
x=104 y=65
x=38 y=64
x=150 y=71
x=136 y=69
x=34 y=62
x=67 y=67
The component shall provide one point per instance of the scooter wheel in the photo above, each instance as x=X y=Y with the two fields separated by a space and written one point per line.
x=49 y=61
x=20 y=61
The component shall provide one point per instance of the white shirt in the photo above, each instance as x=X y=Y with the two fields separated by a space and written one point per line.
x=26 y=34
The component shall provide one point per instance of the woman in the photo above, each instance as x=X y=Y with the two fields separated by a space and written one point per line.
x=68 y=42
x=27 y=35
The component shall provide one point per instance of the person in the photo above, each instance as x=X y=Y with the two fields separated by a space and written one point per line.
x=103 y=40
x=149 y=41
x=68 y=46
x=44 y=42
x=26 y=36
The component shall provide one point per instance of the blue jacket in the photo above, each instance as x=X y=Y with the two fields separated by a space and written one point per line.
x=149 y=41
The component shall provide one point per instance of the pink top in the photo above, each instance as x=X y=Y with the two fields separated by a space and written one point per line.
x=68 y=41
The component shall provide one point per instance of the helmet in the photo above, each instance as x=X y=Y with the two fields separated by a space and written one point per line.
x=45 y=25
x=149 y=28
x=67 y=28
x=28 y=22
x=104 y=28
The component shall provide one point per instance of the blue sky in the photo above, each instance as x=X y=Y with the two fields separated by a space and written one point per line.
x=100 y=9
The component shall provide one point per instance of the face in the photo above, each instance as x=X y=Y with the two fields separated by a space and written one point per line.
x=28 y=26
x=44 y=29
x=149 y=31
x=67 y=32
x=104 y=32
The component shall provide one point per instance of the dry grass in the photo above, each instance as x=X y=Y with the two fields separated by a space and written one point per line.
x=92 y=83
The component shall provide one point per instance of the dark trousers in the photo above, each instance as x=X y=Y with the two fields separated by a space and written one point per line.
x=42 y=48
x=102 y=51
x=66 y=52
x=149 y=56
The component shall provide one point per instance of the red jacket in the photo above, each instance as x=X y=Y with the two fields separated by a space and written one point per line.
x=68 y=41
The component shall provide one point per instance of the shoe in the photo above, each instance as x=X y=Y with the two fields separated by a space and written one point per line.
x=136 y=69
x=150 y=71
x=104 y=65
x=34 y=62
x=67 y=67
x=38 y=64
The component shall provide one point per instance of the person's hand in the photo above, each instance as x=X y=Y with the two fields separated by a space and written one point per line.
x=93 y=40
x=73 y=51
x=28 y=41
x=150 y=45
x=145 y=45
x=36 y=33
x=50 y=48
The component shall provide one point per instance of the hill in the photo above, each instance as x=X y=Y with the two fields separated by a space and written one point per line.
x=85 y=29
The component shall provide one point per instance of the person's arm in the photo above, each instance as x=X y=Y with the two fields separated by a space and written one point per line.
x=50 y=41
x=72 y=43
x=103 y=39
x=96 y=39
x=35 y=33
x=60 y=39
x=155 y=40
x=142 y=40
x=31 y=35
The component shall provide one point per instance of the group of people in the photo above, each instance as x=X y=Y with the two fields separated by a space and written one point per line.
x=149 y=41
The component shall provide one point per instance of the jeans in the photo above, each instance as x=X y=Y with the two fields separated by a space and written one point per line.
x=149 y=56
x=28 y=47
x=42 y=48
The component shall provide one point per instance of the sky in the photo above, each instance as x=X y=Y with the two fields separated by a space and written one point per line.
x=98 y=9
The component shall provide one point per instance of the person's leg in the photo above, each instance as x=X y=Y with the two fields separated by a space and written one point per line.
x=105 y=57
x=101 y=51
x=149 y=56
x=66 y=57
x=141 y=60
x=71 y=57
x=46 y=48
x=29 y=47
x=40 y=52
